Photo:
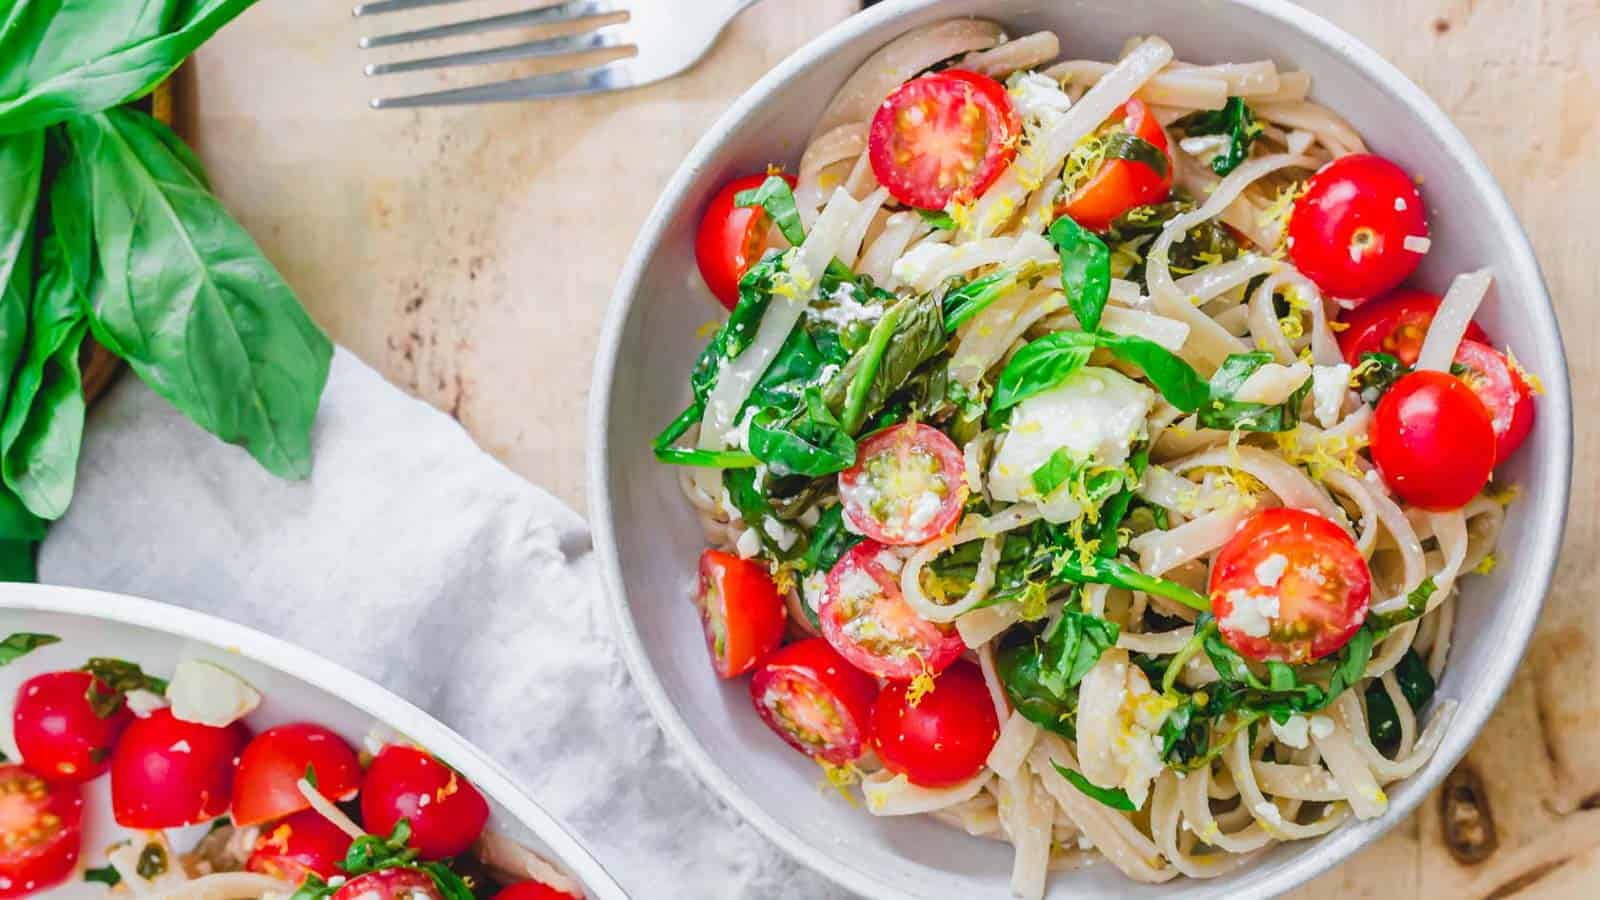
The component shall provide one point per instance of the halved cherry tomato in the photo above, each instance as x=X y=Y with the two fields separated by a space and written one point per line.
x=945 y=736
x=1347 y=232
x=167 y=773
x=865 y=618
x=446 y=812
x=1394 y=324
x=59 y=734
x=943 y=137
x=532 y=890
x=814 y=700
x=390 y=884
x=1289 y=586
x=1505 y=395
x=40 y=827
x=1119 y=185
x=1433 y=440
x=731 y=238
x=740 y=610
x=305 y=843
x=908 y=485
x=265 y=786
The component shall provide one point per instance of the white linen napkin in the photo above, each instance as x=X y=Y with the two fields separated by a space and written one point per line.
x=419 y=561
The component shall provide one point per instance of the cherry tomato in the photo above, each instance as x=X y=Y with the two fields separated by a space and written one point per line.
x=39 y=831
x=943 y=137
x=1289 y=586
x=389 y=884
x=1394 y=324
x=265 y=786
x=945 y=736
x=908 y=485
x=447 y=814
x=166 y=773
x=1347 y=232
x=865 y=618
x=305 y=843
x=1433 y=440
x=814 y=700
x=532 y=890
x=740 y=610
x=731 y=238
x=59 y=734
x=1119 y=185
x=1505 y=395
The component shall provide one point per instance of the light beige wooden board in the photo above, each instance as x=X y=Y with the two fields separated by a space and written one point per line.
x=469 y=254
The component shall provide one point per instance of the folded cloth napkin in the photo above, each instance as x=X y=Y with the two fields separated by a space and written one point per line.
x=419 y=561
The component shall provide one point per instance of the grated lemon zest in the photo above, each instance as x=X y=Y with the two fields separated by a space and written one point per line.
x=1528 y=378
x=1486 y=566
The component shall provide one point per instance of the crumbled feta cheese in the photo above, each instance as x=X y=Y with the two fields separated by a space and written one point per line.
x=922 y=512
x=1321 y=727
x=1329 y=384
x=1038 y=97
x=845 y=310
x=781 y=534
x=1206 y=147
x=1292 y=733
x=207 y=694
x=890 y=560
x=1251 y=614
x=1269 y=570
x=1399 y=204
x=142 y=702
x=749 y=543
x=181 y=746
x=1096 y=414
x=856 y=584
x=1272 y=383
x=1416 y=243
x=810 y=517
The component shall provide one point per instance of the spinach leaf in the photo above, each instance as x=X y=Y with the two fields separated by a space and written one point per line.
x=1283 y=693
x=1116 y=798
x=21 y=177
x=1225 y=413
x=909 y=333
x=828 y=541
x=1375 y=373
x=1039 y=366
x=966 y=301
x=1204 y=244
x=1093 y=483
x=1070 y=566
x=19 y=644
x=66 y=59
x=1129 y=146
x=1041 y=673
x=107 y=875
x=777 y=199
x=42 y=428
x=806 y=441
x=755 y=510
x=1177 y=381
x=1116 y=509
x=1383 y=720
x=706 y=459
x=1085 y=270
x=200 y=314
x=1416 y=605
x=1236 y=120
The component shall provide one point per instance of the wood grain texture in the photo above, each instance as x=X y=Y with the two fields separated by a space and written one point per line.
x=469 y=254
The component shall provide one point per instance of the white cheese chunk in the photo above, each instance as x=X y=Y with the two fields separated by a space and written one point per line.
x=1272 y=383
x=1038 y=98
x=1329 y=384
x=1293 y=733
x=1269 y=570
x=207 y=694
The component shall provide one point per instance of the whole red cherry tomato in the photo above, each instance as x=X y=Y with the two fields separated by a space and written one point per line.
x=731 y=238
x=445 y=811
x=58 y=732
x=1433 y=440
x=270 y=768
x=1348 y=231
x=305 y=843
x=167 y=773
x=945 y=736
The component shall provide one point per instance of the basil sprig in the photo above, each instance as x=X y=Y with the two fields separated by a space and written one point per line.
x=1225 y=413
x=777 y=199
x=1116 y=798
x=1236 y=120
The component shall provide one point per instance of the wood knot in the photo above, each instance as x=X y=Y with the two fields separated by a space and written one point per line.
x=1468 y=822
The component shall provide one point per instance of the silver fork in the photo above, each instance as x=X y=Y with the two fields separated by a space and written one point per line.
x=655 y=39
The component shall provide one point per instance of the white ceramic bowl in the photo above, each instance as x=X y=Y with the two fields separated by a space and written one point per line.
x=295 y=685
x=649 y=541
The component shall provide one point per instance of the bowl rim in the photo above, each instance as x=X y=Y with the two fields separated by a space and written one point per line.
x=1547 y=513
x=302 y=665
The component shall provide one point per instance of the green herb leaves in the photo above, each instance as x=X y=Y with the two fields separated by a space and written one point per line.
x=1038 y=367
x=808 y=440
x=1236 y=120
x=113 y=679
x=1116 y=798
x=1085 y=270
x=21 y=643
x=66 y=59
x=195 y=308
x=1416 y=605
x=1226 y=413
x=777 y=199
x=1416 y=686
x=1375 y=374
x=375 y=853
x=1041 y=673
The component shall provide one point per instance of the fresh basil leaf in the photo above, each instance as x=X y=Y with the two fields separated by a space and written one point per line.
x=777 y=199
x=1116 y=798
x=1177 y=381
x=938 y=218
x=808 y=441
x=1116 y=509
x=67 y=59
x=1129 y=146
x=21 y=178
x=1085 y=270
x=1039 y=366
x=1375 y=373
x=200 y=314
x=106 y=875
x=706 y=459
x=451 y=886
x=1072 y=647
x=1225 y=413
x=966 y=301
x=1383 y=720
x=1416 y=605
x=1236 y=120
x=372 y=852
x=19 y=558
x=21 y=643
x=113 y=679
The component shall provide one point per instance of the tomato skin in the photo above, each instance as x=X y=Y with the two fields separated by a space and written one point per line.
x=57 y=731
x=1321 y=585
x=303 y=844
x=915 y=460
x=1347 y=231
x=532 y=890
x=1122 y=184
x=740 y=610
x=36 y=854
x=1505 y=395
x=1433 y=441
x=942 y=137
x=444 y=824
x=1394 y=324
x=389 y=884
x=919 y=646
x=807 y=683
x=276 y=759
x=942 y=739
x=731 y=238
x=167 y=773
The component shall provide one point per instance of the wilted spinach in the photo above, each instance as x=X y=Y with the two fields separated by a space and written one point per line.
x=1236 y=120
x=1041 y=672
x=1383 y=720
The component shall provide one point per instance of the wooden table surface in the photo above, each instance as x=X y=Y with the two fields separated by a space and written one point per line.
x=468 y=254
